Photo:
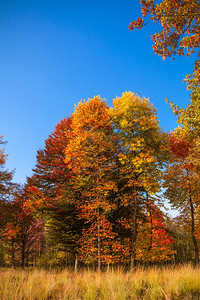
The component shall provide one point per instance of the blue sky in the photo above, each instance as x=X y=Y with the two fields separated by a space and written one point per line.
x=55 y=53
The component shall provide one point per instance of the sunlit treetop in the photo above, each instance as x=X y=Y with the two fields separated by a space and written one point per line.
x=91 y=128
x=91 y=113
x=50 y=169
x=143 y=144
x=180 y=22
x=140 y=107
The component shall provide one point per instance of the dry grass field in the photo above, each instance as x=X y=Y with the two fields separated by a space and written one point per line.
x=153 y=283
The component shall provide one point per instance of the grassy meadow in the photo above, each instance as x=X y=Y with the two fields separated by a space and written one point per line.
x=153 y=283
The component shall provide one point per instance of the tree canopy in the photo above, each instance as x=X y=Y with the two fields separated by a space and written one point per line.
x=180 y=22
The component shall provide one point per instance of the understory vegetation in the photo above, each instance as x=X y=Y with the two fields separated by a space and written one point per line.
x=152 y=283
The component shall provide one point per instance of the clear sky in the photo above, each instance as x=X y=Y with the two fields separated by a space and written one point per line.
x=55 y=53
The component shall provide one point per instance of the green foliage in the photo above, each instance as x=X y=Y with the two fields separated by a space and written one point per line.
x=6 y=185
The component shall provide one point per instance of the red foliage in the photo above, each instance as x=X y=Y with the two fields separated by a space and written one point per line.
x=51 y=169
x=179 y=146
x=23 y=231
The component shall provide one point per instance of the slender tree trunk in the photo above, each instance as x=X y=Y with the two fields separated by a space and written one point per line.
x=196 y=248
x=76 y=265
x=151 y=231
x=98 y=231
x=151 y=221
x=23 y=255
x=13 y=252
x=99 y=242
x=108 y=267
x=134 y=237
x=35 y=260
x=66 y=259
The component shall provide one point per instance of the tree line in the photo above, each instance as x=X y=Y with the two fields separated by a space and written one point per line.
x=95 y=193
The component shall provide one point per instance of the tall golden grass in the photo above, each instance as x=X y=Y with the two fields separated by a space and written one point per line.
x=153 y=283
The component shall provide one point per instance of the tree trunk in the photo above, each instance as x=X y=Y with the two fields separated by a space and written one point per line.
x=196 y=248
x=98 y=231
x=108 y=267
x=13 y=253
x=151 y=221
x=99 y=243
x=76 y=264
x=134 y=237
x=23 y=255
x=151 y=231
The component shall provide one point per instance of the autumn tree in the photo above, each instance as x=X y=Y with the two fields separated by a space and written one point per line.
x=49 y=191
x=142 y=155
x=5 y=176
x=51 y=171
x=180 y=34
x=188 y=118
x=91 y=154
x=182 y=186
x=6 y=190
x=23 y=233
x=180 y=22
x=61 y=223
